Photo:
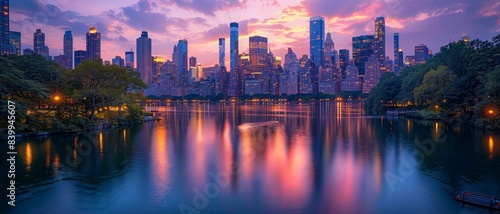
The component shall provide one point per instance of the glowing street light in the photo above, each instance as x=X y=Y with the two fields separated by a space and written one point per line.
x=491 y=111
x=57 y=98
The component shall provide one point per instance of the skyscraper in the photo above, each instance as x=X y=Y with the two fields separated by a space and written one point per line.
x=192 y=61
x=421 y=54
x=396 y=53
x=175 y=55
x=233 y=45
x=93 y=44
x=343 y=61
x=68 y=50
x=329 y=47
x=292 y=66
x=316 y=40
x=144 y=58
x=258 y=51
x=118 y=61
x=379 y=40
x=182 y=62
x=222 y=52
x=5 y=47
x=129 y=59
x=362 y=48
x=236 y=76
x=15 y=42
x=39 y=43
x=372 y=74
x=80 y=55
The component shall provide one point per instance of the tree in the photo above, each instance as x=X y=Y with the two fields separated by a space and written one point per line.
x=385 y=92
x=434 y=86
x=492 y=85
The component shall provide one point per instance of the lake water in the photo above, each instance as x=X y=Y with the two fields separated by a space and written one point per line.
x=319 y=158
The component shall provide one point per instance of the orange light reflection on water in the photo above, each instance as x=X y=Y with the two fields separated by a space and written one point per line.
x=490 y=146
x=29 y=156
x=159 y=161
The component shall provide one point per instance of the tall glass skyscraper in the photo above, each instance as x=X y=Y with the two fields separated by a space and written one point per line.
x=396 y=53
x=379 y=42
x=15 y=42
x=80 y=55
x=5 y=47
x=39 y=42
x=317 y=39
x=233 y=45
x=93 y=44
x=182 y=62
x=222 y=52
x=68 y=50
x=258 y=51
x=343 y=61
x=421 y=54
x=144 y=57
x=129 y=59
x=362 y=48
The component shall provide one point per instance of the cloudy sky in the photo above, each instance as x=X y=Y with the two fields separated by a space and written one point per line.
x=284 y=22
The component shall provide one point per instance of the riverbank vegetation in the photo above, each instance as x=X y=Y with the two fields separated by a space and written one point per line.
x=460 y=85
x=50 y=98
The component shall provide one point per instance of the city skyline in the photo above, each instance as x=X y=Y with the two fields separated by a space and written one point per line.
x=286 y=25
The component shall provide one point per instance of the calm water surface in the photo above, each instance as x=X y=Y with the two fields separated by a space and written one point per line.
x=320 y=158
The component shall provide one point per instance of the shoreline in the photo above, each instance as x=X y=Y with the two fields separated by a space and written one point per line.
x=479 y=124
x=90 y=129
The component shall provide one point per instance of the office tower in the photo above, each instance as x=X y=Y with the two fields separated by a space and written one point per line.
x=157 y=67
x=233 y=45
x=372 y=74
x=175 y=56
x=80 y=56
x=316 y=40
x=351 y=81
x=396 y=53
x=39 y=46
x=222 y=52
x=68 y=50
x=258 y=51
x=60 y=60
x=253 y=86
x=410 y=61
x=182 y=62
x=306 y=78
x=303 y=60
x=379 y=40
x=329 y=48
x=15 y=42
x=292 y=66
x=199 y=71
x=118 y=60
x=421 y=54
x=343 y=61
x=129 y=59
x=144 y=57
x=93 y=44
x=28 y=51
x=362 y=48
x=5 y=47
x=192 y=61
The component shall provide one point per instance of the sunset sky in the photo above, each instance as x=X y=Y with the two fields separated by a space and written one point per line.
x=284 y=22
